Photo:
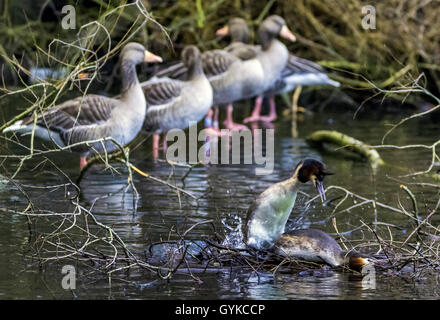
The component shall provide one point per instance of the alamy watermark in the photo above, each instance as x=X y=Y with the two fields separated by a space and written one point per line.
x=369 y=279
x=369 y=19
x=69 y=20
x=229 y=143
x=69 y=280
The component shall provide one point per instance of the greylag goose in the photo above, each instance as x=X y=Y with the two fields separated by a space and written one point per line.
x=174 y=104
x=93 y=117
x=243 y=74
x=297 y=71
x=268 y=214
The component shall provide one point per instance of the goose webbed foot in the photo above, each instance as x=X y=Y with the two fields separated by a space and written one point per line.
x=213 y=132
x=256 y=114
x=251 y=119
x=230 y=124
x=269 y=118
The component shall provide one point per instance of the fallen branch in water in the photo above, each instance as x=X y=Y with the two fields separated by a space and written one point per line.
x=148 y=176
x=326 y=136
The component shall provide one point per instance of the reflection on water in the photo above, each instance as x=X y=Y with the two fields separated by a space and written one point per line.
x=225 y=192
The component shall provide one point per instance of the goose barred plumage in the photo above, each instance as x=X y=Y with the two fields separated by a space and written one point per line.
x=93 y=117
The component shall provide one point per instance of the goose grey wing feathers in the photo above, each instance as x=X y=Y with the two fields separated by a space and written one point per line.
x=161 y=91
x=86 y=110
x=296 y=65
x=216 y=62
x=243 y=51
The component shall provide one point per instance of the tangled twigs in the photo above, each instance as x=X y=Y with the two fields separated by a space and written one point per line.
x=124 y=152
x=148 y=176
x=414 y=201
x=419 y=225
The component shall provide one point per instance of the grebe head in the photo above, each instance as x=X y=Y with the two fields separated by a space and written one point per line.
x=314 y=171
x=355 y=261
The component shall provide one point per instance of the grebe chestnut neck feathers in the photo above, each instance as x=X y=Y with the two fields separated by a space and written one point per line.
x=268 y=214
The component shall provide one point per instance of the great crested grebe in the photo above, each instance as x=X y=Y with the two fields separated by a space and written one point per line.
x=268 y=214
x=316 y=246
x=93 y=117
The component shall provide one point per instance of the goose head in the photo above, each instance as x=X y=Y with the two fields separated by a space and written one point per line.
x=272 y=27
x=191 y=58
x=314 y=171
x=136 y=53
x=190 y=55
x=237 y=29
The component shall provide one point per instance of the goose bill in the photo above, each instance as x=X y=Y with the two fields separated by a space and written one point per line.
x=223 y=31
x=287 y=34
x=320 y=188
x=150 y=57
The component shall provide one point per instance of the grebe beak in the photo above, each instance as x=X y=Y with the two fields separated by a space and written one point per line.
x=320 y=188
x=223 y=31
x=150 y=57
x=287 y=34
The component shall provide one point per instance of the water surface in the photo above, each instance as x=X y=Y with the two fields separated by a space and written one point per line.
x=227 y=192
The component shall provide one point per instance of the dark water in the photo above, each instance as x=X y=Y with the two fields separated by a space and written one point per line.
x=228 y=191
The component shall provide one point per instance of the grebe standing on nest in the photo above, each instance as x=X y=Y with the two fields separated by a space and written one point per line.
x=268 y=214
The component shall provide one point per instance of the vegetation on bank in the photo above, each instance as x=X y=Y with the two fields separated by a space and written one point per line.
x=404 y=44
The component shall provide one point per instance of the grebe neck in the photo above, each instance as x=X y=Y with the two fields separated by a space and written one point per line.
x=267 y=221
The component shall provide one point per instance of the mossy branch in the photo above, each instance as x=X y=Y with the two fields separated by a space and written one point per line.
x=350 y=143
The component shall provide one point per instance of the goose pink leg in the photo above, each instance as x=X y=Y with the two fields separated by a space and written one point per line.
x=156 y=138
x=229 y=123
x=164 y=143
x=211 y=123
x=82 y=162
x=256 y=114
x=215 y=119
x=272 y=113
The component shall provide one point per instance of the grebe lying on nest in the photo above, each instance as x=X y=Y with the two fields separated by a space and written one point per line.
x=268 y=214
